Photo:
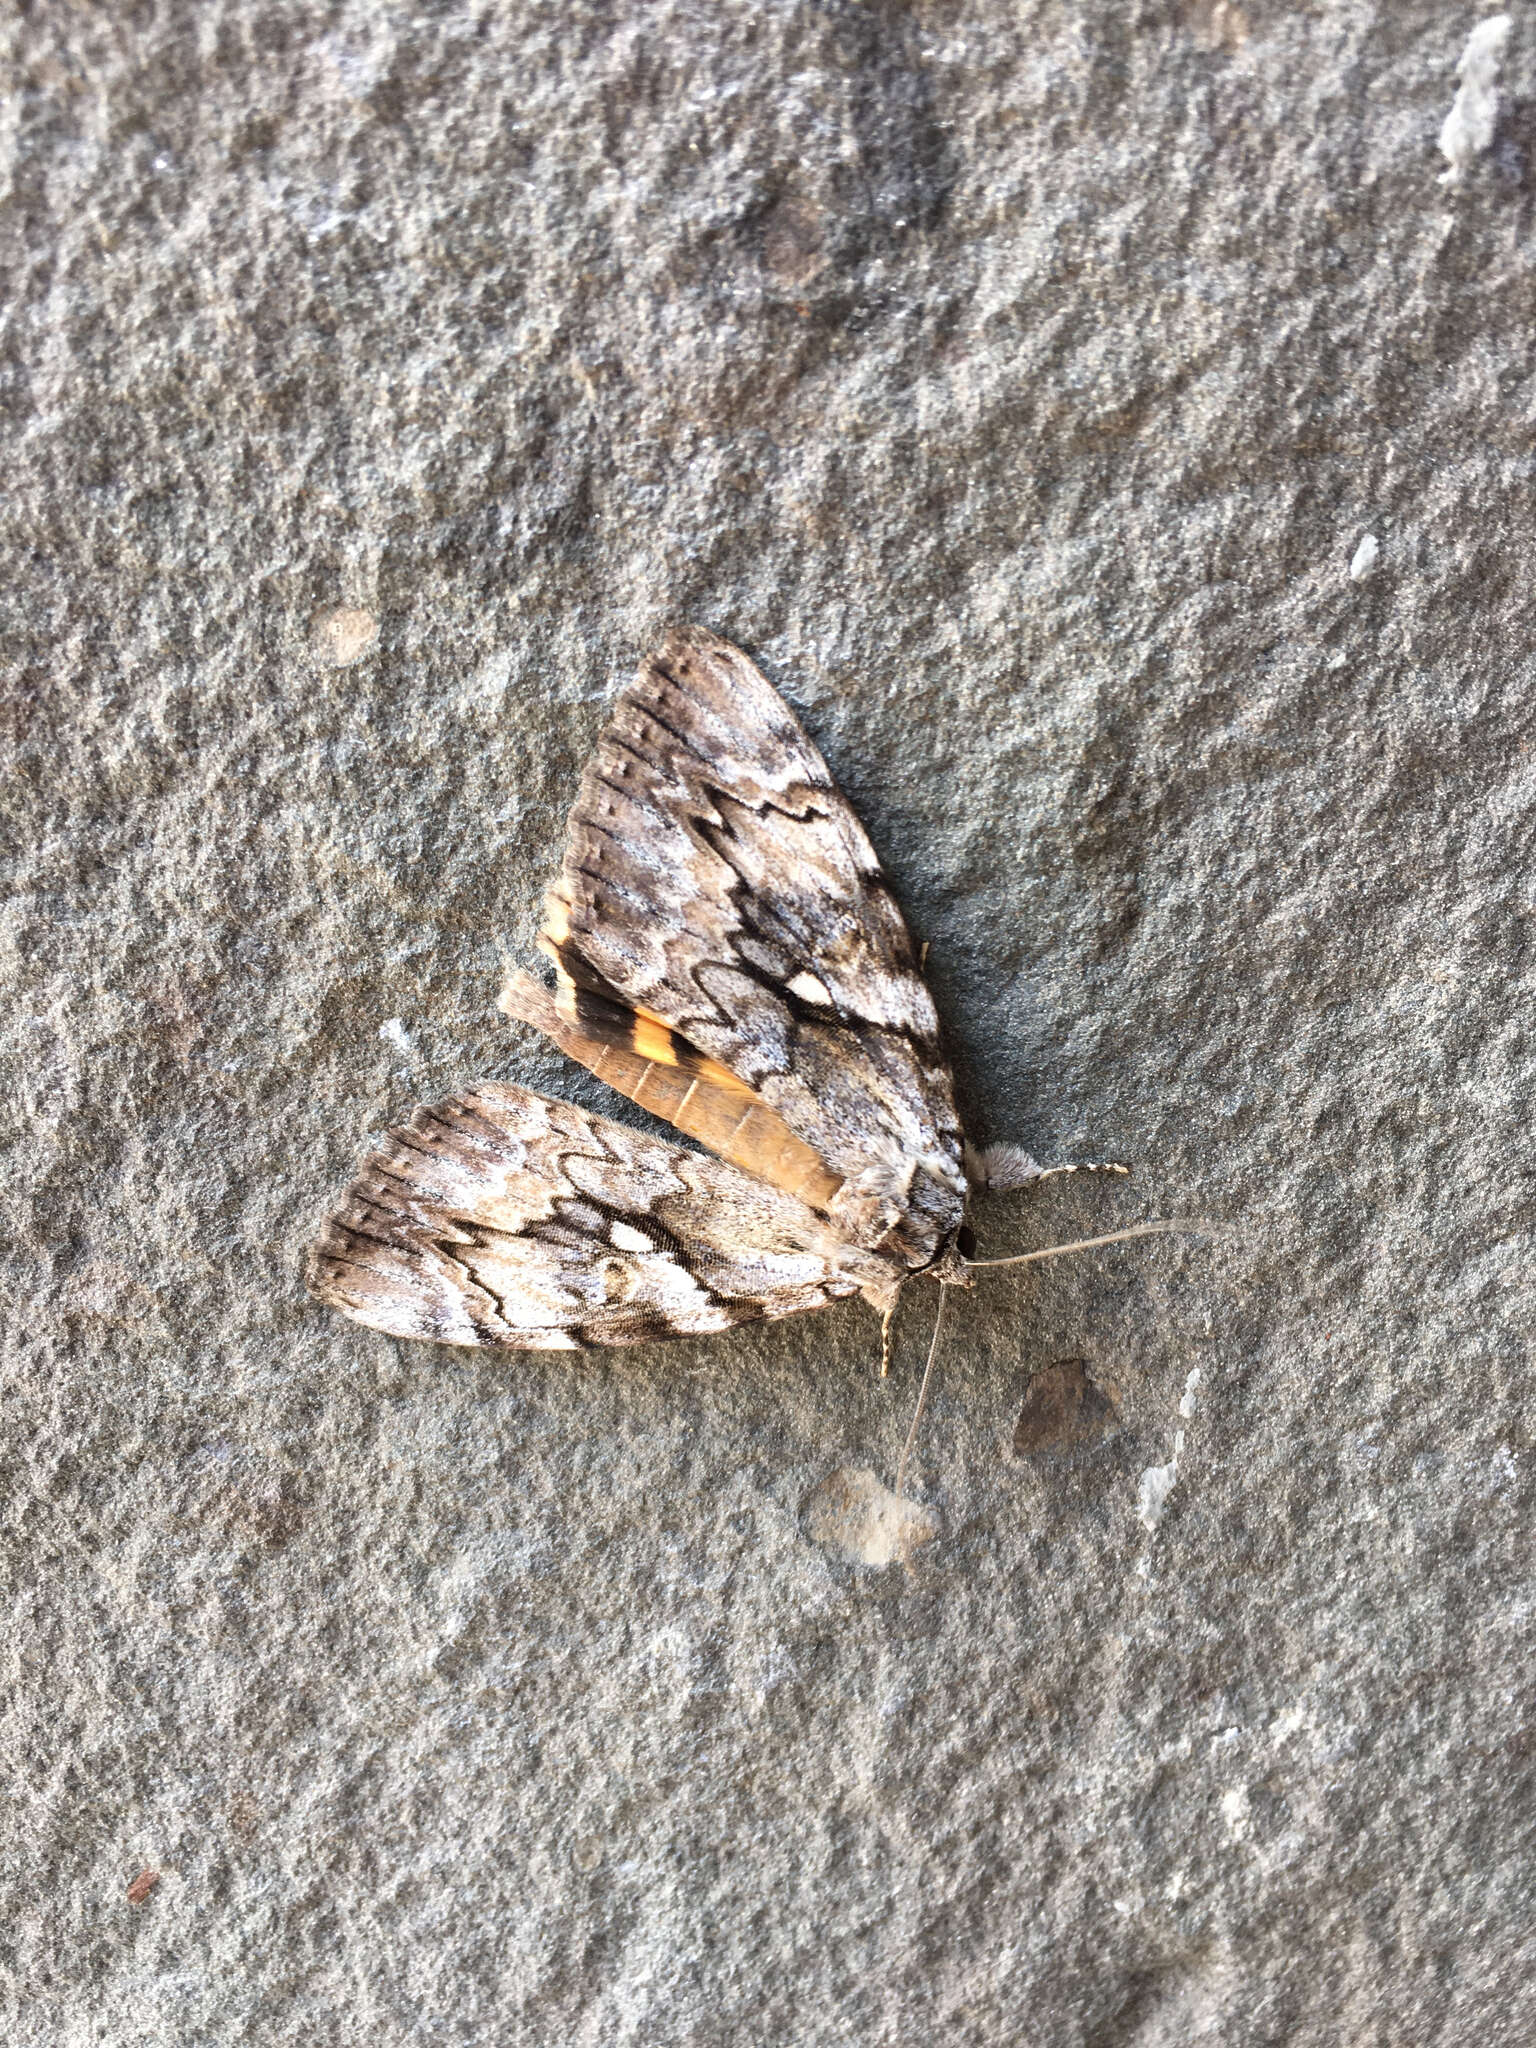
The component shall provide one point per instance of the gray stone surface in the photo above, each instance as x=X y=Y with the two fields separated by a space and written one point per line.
x=1017 y=381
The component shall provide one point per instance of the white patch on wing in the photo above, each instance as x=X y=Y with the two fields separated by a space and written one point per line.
x=891 y=1002
x=704 y=1320
x=806 y=986
x=672 y=1289
x=626 y=1238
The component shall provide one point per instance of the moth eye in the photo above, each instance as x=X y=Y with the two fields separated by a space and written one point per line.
x=965 y=1241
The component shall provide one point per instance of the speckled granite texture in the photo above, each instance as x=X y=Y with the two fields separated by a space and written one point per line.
x=1018 y=382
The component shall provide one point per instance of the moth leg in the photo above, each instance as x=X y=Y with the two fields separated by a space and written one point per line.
x=922 y=1395
x=886 y=1319
x=1002 y=1168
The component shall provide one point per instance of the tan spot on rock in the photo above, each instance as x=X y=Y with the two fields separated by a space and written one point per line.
x=852 y=1514
x=342 y=637
x=1218 y=24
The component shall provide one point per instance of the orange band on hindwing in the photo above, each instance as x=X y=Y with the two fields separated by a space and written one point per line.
x=643 y=1058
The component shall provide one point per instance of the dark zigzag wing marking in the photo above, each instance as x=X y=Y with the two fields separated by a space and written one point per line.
x=783 y=840
x=715 y=876
x=503 y=1218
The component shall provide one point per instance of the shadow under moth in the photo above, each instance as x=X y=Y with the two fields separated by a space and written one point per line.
x=728 y=955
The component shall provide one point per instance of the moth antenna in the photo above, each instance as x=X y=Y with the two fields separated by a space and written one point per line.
x=1088 y=1244
x=922 y=1393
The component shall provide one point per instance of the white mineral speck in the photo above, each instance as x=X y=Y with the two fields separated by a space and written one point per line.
x=1469 y=126
x=1364 y=559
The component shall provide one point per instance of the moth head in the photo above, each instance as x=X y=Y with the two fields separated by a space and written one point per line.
x=954 y=1267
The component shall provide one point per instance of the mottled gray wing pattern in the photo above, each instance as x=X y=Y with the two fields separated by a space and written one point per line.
x=716 y=879
x=502 y=1218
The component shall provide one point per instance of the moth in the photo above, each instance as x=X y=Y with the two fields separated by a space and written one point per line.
x=728 y=955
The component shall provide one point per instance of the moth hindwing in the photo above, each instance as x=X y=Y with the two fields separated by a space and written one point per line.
x=728 y=955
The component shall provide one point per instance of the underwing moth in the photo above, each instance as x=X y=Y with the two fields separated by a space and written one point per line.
x=728 y=955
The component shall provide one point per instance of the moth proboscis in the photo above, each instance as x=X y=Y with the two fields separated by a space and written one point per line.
x=728 y=955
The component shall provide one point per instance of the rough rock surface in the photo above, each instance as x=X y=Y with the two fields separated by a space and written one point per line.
x=1018 y=381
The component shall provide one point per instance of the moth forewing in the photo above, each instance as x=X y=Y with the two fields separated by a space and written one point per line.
x=716 y=879
x=504 y=1218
